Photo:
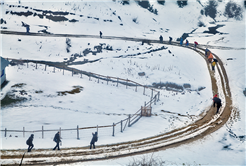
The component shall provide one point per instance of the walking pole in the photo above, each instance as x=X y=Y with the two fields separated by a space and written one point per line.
x=22 y=159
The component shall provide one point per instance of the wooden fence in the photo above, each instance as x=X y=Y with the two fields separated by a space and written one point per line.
x=129 y=121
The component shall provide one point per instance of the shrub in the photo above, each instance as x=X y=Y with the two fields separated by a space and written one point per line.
x=201 y=24
x=233 y=10
x=125 y=2
x=146 y=5
x=161 y=2
x=211 y=9
x=147 y=161
x=181 y=4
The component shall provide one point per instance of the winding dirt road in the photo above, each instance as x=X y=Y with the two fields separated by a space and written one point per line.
x=197 y=130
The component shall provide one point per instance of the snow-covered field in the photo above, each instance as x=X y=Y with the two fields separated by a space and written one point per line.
x=99 y=103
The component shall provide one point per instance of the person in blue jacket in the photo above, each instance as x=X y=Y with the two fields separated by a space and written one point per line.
x=187 y=43
x=181 y=41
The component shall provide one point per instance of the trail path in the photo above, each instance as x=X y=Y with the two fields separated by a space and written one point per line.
x=197 y=130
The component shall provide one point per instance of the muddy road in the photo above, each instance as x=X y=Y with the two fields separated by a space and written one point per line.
x=207 y=124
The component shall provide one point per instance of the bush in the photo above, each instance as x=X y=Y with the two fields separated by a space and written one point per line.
x=161 y=2
x=125 y=2
x=146 y=161
x=211 y=9
x=181 y=4
x=201 y=24
x=146 y=5
x=233 y=10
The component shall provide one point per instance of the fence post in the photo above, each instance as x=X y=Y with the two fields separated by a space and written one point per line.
x=60 y=131
x=36 y=65
x=42 y=132
x=121 y=126
x=23 y=132
x=155 y=99
x=77 y=131
x=117 y=81
x=54 y=69
x=27 y=64
x=136 y=88
x=113 y=129
x=45 y=67
x=72 y=72
x=126 y=83
x=63 y=71
x=129 y=117
x=158 y=96
x=151 y=94
x=5 y=133
x=97 y=129
x=144 y=91
x=81 y=75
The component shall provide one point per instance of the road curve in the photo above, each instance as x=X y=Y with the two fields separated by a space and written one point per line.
x=197 y=130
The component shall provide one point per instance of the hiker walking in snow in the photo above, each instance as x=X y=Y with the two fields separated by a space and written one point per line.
x=29 y=143
x=93 y=140
x=27 y=29
x=187 y=43
x=195 y=45
x=206 y=52
x=57 y=139
x=170 y=40
x=214 y=63
x=181 y=41
x=218 y=102
x=161 y=39
x=100 y=34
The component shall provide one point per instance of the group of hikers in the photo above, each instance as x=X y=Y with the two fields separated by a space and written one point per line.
x=211 y=59
x=181 y=41
x=57 y=139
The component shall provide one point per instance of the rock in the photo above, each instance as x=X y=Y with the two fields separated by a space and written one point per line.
x=141 y=73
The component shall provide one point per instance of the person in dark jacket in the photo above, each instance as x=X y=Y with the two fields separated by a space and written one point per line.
x=100 y=34
x=187 y=43
x=29 y=143
x=57 y=139
x=93 y=140
x=161 y=39
x=218 y=102
x=170 y=40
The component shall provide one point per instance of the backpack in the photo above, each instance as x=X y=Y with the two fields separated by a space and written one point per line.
x=54 y=139
x=28 y=141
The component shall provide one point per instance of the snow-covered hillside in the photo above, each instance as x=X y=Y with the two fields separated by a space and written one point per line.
x=102 y=103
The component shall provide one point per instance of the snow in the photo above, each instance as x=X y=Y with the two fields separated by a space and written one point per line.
x=99 y=103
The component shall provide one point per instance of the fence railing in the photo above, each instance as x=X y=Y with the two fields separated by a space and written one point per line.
x=129 y=121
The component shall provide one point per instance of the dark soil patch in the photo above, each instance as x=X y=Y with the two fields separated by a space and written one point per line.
x=18 y=85
x=9 y=101
x=28 y=13
x=77 y=89
x=213 y=30
x=56 y=18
